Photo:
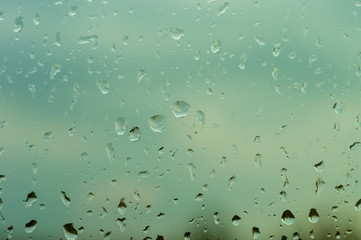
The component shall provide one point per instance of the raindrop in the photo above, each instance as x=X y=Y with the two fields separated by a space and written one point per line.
x=30 y=226
x=140 y=75
x=55 y=69
x=107 y=236
x=157 y=123
x=201 y=117
x=65 y=199
x=283 y=196
x=255 y=232
x=180 y=109
x=276 y=51
x=187 y=236
x=176 y=33
x=84 y=156
x=223 y=8
x=122 y=207
x=134 y=134
x=103 y=86
x=257 y=139
x=120 y=126
x=258 y=161
x=109 y=149
x=216 y=46
x=199 y=197
x=236 y=220
x=260 y=40
x=354 y=146
x=242 y=61
x=313 y=216
x=275 y=73
x=47 y=136
x=216 y=218
x=287 y=217
x=30 y=199
x=231 y=182
x=358 y=205
x=70 y=232
x=19 y=24
x=319 y=166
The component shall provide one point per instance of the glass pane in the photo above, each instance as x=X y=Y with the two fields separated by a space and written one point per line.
x=180 y=119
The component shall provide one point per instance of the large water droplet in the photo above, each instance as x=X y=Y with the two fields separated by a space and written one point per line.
x=180 y=109
x=313 y=216
x=287 y=217
x=103 y=86
x=236 y=220
x=120 y=126
x=70 y=232
x=30 y=226
x=157 y=123
x=134 y=134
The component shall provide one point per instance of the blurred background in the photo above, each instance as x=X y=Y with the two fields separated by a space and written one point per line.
x=180 y=119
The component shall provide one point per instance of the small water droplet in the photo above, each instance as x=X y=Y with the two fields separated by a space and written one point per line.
x=260 y=40
x=199 y=197
x=276 y=51
x=19 y=24
x=358 y=205
x=257 y=139
x=313 y=216
x=287 y=217
x=223 y=8
x=140 y=75
x=275 y=73
x=65 y=199
x=258 y=161
x=134 y=134
x=180 y=109
x=236 y=220
x=30 y=226
x=47 y=136
x=176 y=33
x=201 y=117
x=319 y=166
x=55 y=69
x=157 y=123
x=187 y=236
x=103 y=86
x=216 y=46
x=216 y=218
x=109 y=149
x=255 y=232
x=242 y=61
x=120 y=126
x=231 y=182
x=70 y=232
x=30 y=199
x=122 y=207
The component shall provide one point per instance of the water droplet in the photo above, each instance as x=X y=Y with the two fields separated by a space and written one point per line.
x=180 y=109
x=176 y=33
x=216 y=46
x=283 y=196
x=140 y=75
x=231 y=182
x=103 y=86
x=32 y=89
x=65 y=199
x=121 y=223
x=109 y=149
x=199 y=197
x=354 y=146
x=287 y=217
x=36 y=19
x=292 y=55
x=55 y=69
x=157 y=123
x=313 y=216
x=255 y=232
x=242 y=61
x=120 y=126
x=47 y=136
x=257 y=139
x=236 y=220
x=276 y=51
x=70 y=232
x=108 y=236
x=260 y=40
x=201 y=117
x=319 y=166
x=122 y=207
x=358 y=205
x=84 y=156
x=258 y=161
x=30 y=226
x=223 y=8
x=30 y=199
x=187 y=236
x=275 y=73
x=216 y=218
x=134 y=134
x=19 y=24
